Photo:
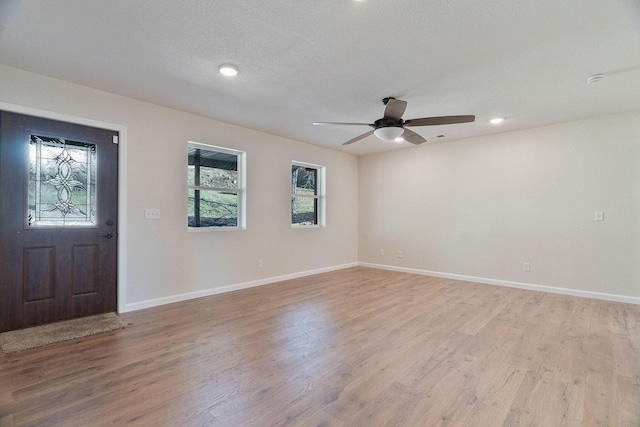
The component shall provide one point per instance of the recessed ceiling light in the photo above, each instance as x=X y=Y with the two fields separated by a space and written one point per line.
x=228 y=70
x=496 y=120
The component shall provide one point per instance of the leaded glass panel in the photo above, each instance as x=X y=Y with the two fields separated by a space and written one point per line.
x=62 y=182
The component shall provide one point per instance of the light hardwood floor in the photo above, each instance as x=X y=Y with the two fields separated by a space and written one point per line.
x=355 y=347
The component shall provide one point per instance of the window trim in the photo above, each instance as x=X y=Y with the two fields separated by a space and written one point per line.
x=320 y=196
x=241 y=190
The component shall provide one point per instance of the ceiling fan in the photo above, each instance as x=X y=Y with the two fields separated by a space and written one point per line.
x=392 y=126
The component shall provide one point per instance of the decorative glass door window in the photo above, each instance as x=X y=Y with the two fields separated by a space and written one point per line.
x=62 y=182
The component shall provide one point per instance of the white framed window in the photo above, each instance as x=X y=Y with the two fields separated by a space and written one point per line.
x=216 y=187
x=307 y=195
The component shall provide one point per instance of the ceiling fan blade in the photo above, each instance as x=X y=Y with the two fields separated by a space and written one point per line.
x=340 y=123
x=444 y=120
x=395 y=109
x=412 y=137
x=358 y=138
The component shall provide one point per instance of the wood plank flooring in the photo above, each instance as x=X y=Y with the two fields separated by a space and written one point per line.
x=355 y=347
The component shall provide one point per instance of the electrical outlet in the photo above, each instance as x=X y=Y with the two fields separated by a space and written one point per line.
x=381 y=252
x=599 y=216
x=526 y=266
x=399 y=254
x=152 y=213
x=260 y=263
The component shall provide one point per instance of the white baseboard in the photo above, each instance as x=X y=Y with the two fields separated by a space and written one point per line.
x=519 y=285
x=229 y=288
x=222 y=289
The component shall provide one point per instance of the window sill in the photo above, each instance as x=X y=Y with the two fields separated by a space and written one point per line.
x=211 y=229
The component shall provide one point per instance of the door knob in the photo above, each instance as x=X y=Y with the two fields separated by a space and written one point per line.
x=107 y=236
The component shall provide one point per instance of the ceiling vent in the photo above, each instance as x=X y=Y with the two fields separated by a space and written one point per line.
x=435 y=137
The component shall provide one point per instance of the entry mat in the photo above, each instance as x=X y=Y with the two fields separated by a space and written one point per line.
x=38 y=336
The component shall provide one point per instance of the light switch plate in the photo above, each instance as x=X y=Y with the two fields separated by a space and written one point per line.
x=152 y=213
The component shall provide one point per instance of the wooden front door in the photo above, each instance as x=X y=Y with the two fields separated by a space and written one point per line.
x=58 y=221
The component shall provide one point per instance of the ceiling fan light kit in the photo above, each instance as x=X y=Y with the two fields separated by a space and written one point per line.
x=391 y=127
x=388 y=133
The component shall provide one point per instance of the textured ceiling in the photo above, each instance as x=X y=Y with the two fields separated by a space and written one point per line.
x=334 y=60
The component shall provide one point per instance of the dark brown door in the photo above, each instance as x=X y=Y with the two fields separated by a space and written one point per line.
x=58 y=221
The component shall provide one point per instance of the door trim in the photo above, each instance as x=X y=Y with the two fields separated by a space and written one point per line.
x=122 y=182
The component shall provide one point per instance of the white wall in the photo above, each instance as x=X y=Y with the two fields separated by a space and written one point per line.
x=477 y=207
x=481 y=207
x=162 y=260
